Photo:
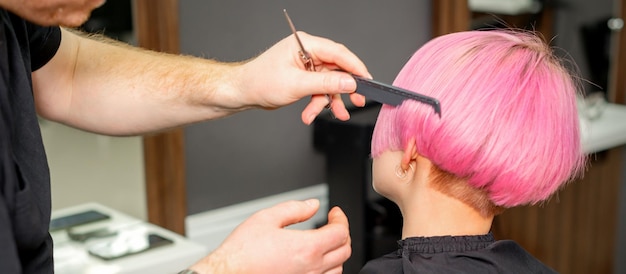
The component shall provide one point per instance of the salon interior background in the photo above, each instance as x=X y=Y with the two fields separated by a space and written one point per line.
x=259 y=153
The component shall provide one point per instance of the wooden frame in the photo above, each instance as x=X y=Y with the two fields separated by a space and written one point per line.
x=449 y=16
x=156 y=25
x=618 y=76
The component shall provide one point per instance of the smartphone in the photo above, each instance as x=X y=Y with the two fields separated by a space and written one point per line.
x=81 y=218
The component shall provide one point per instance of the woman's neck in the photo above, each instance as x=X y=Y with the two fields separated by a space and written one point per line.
x=428 y=212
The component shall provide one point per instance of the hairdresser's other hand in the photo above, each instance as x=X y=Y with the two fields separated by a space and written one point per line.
x=278 y=77
x=262 y=244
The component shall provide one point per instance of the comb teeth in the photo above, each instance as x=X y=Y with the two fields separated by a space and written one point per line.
x=391 y=95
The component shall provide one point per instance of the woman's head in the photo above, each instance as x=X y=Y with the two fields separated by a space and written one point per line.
x=509 y=124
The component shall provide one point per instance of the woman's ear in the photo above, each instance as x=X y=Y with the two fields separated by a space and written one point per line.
x=409 y=155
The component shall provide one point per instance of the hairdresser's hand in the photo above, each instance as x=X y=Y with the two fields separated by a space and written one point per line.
x=278 y=77
x=261 y=244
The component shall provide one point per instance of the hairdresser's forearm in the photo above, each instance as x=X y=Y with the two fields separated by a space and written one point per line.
x=120 y=90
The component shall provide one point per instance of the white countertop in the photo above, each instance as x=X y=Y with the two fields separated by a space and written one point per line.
x=72 y=257
x=606 y=131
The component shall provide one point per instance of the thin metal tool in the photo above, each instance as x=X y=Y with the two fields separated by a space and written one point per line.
x=304 y=55
x=377 y=91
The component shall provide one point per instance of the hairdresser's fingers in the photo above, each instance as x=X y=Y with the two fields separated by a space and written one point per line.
x=337 y=218
x=357 y=99
x=335 y=236
x=317 y=104
x=334 y=260
x=330 y=52
x=325 y=82
x=290 y=212
x=339 y=108
x=336 y=270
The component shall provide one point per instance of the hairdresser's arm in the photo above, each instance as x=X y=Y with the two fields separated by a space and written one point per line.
x=261 y=244
x=111 y=88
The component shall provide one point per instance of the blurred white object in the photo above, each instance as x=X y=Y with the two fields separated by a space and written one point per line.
x=606 y=131
x=127 y=241
x=592 y=106
x=510 y=7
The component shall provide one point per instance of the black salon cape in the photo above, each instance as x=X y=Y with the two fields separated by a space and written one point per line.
x=456 y=254
x=25 y=244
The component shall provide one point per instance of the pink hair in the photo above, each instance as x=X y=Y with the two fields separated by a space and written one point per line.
x=509 y=123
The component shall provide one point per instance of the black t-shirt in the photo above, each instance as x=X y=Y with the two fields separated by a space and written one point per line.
x=25 y=243
x=456 y=254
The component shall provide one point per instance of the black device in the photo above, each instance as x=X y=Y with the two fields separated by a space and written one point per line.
x=81 y=218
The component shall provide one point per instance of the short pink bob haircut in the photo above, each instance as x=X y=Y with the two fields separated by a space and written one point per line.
x=509 y=123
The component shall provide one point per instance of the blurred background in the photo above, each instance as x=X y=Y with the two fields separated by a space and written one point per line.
x=258 y=157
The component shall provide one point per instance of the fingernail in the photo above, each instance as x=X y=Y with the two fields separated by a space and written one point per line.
x=347 y=83
x=312 y=202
